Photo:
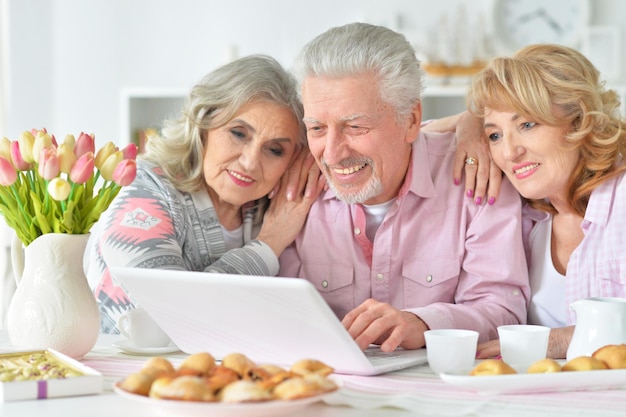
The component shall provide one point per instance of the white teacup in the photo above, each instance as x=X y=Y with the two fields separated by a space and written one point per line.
x=523 y=344
x=450 y=349
x=141 y=330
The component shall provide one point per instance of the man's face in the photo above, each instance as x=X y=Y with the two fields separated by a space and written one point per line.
x=356 y=138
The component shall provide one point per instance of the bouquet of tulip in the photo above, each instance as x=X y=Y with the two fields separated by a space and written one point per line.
x=51 y=188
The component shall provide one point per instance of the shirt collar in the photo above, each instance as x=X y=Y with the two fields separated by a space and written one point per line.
x=600 y=202
x=418 y=179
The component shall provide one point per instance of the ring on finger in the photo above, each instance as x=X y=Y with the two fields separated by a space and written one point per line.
x=471 y=161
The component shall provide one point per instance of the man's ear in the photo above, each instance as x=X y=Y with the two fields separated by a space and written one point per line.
x=414 y=121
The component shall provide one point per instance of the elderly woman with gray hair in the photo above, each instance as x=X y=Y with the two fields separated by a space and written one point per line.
x=200 y=201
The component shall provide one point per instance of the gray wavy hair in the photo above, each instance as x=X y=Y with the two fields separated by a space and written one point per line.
x=216 y=99
x=359 y=48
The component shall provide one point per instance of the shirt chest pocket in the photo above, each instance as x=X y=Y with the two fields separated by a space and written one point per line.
x=612 y=278
x=328 y=278
x=334 y=282
x=429 y=281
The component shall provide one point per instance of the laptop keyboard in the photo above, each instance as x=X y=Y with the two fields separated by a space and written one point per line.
x=375 y=355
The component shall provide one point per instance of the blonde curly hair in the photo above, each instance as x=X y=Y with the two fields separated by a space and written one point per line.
x=539 y=77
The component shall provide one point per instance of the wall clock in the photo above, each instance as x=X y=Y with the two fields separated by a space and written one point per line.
x=522 y=22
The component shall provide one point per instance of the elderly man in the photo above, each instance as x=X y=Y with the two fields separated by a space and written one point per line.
x=394 y=246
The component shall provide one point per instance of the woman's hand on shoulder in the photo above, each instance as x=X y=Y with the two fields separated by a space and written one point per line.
x=483 y=178
x=291 y=201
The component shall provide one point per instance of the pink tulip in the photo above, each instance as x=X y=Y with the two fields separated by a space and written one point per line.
x=8 y=174
x=110 y=164
x=16 y=156
x=48 y=164
x=125 y=172
x=130 y=151
x=26 y=141
x=59 y=189
x=104 y=152
x=84 y=144
x=82 y=169
x=66 y=156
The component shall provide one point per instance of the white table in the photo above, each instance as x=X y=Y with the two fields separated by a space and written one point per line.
x=413 y=392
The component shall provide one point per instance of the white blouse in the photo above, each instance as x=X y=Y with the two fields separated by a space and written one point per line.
x=547 y=285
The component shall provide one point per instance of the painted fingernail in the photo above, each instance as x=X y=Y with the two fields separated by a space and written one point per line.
x=457 y=181
x=492 y=200
x=478 y=200
x=477 y=354
x=498 y=357
x=470 y=193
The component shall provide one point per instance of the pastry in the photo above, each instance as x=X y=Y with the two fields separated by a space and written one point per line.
x=237 y=379
x=221 y=376
x=199 y=364
x=311 y=366
x=158 y=365
x=244 y=391
x=584 y=363
x=238 y=362
x=544 y=366
x=137 y=383
x=140 y=382
x=614 y=356
x=263 y=372
x=274 y=380
x=183 y=388
x=492 y=367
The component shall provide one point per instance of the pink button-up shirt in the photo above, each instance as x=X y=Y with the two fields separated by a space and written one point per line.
x=436 y=253
x=597 y=267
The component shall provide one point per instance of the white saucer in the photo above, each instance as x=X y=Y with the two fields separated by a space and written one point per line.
x=126 y=347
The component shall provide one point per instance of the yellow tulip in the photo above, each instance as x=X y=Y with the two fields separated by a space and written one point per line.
x=26 y=142
x=65 y=153
x=70 y=141
x=108 y=167
x=5 y=148
x=104 y=153
x=59 y=189
x=42 y=140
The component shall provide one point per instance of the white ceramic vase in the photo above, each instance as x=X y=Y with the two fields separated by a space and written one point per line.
x=53 y=306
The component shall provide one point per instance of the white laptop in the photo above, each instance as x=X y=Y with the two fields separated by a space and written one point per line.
x=269 y=319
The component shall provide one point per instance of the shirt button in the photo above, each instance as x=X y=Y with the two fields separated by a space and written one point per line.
x=515 y=292
x=380 y=277
x=325 y=284
x=357 y=231
x=429 y=278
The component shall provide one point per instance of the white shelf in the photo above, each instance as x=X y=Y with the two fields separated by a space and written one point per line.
x=434 y=90
x=143 y=108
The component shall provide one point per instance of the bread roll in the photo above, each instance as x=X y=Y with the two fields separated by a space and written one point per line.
x=584 y=363
x=614 y=356
x=492 y=367
x=543 y=366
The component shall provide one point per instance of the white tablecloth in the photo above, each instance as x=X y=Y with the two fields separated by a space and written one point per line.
x=412 y=392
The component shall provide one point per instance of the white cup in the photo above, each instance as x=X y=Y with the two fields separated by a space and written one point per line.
x=523 y=344
x=450 y=349
x=141 y=330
